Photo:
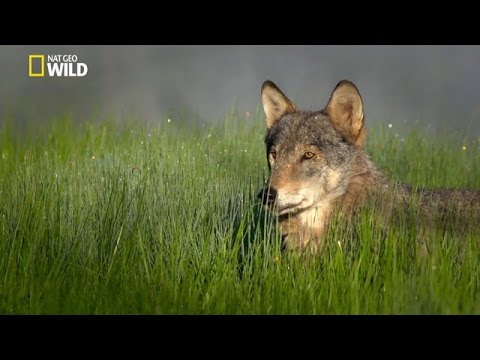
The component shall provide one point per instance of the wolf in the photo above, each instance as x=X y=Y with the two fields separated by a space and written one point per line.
x=319 y=168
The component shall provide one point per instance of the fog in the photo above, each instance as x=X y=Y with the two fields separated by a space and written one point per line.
x=436 y=86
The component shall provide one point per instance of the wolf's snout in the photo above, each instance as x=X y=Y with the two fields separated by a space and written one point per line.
x=268 y=195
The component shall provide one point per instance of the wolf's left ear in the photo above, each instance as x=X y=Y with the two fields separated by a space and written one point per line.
x=275 y=103
x=345 y=109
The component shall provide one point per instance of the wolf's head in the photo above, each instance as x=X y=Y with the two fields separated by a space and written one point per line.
x=310 y=153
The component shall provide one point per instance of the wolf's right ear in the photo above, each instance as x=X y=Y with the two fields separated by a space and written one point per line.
x=345 y=110
x=275 y=103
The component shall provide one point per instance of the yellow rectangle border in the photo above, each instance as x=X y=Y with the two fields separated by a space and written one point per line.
x=30 y=65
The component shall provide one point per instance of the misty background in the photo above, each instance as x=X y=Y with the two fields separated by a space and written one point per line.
x=436 y=86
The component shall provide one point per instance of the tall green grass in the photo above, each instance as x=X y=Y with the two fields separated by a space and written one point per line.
x=109 y=218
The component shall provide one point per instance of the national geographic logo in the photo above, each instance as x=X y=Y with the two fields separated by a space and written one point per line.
x=57 y=66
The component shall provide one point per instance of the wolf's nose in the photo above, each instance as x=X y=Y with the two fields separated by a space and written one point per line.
x=267 y=195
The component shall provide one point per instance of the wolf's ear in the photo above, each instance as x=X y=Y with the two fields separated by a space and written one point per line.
x=275 y=103
x=345 y=109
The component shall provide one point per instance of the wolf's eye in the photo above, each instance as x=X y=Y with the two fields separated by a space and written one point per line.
x=308 y=155
x=273 y=154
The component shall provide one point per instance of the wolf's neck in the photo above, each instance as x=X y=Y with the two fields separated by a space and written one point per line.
x=364 y=179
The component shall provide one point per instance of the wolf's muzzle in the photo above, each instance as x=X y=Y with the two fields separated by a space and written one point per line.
x=267 y=195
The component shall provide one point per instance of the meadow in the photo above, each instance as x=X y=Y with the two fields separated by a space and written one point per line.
x=107 y=217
